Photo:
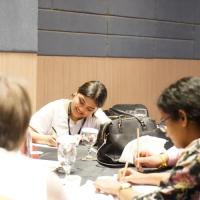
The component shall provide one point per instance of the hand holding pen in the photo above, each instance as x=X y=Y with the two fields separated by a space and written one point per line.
x=126 y=171
x=52 y=139
x=54 y=132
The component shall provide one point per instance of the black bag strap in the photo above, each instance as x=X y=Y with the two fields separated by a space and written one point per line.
x=143 y=125
x=116 y=110
x=102 y=134
x=129 y=107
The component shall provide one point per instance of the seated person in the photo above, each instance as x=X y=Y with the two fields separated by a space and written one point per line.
x=21 y=177
x=66 y=116
x=179 y=107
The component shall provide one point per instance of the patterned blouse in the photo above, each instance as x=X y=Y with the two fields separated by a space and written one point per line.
x=184 y=181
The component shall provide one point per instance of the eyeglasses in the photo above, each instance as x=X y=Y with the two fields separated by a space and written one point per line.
x=161 y=125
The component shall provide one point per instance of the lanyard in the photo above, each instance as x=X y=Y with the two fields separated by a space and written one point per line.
x=69 y=112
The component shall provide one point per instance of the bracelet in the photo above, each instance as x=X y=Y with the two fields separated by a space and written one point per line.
x=163 y=159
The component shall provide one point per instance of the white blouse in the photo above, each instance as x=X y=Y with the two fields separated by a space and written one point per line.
x=54 y=115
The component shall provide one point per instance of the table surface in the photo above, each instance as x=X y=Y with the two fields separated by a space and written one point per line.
x=88 y=170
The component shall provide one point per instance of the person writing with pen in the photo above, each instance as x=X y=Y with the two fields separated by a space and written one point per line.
x=179 y=106
x=69 y=116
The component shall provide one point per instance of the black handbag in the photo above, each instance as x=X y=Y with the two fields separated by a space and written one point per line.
x=114 y=136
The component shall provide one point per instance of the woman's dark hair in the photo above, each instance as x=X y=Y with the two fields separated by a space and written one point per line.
x=94 y=90
x=15 y=109
x=184 y=95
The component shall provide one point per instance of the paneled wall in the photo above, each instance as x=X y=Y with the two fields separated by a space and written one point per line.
x=120 y=28
x=127 y=80
x=22 y=68
x=112 y=41
x=108 y=40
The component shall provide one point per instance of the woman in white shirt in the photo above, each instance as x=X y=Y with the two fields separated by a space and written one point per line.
x=66 y=116
x=21 y=177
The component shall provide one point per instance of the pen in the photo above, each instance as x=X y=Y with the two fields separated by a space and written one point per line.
x=54 y=130
x=137 y=154
x=125 y=168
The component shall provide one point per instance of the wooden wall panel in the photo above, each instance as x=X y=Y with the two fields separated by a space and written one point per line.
x=127 y=80
x=21 y=67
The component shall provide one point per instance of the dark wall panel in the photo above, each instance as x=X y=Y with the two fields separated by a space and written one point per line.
x=197 y=12
x=45 y=3
x=131 y=47
x=176 y=10
x=174 y=48
x=174 y=30
x=18 y=25
x=128 y=28
x=72 y=22
x=149 y=28
x=91 y=6
x=197 y=50
x=197 y=42
x=56 y=43
x=133 y=8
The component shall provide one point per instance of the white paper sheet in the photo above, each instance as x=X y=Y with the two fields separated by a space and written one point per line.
x=153 y=144
x=43 y=146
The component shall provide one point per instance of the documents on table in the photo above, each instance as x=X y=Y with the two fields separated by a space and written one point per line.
x=43 y=146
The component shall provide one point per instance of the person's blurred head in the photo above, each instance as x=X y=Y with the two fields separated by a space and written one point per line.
x=180 y=109
x=15 y=113
x=90 y=96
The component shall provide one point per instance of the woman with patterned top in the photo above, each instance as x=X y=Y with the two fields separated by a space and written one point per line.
x=179 y=106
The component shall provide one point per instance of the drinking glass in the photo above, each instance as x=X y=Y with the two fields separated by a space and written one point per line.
x=89 y=137
x=67 y=152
